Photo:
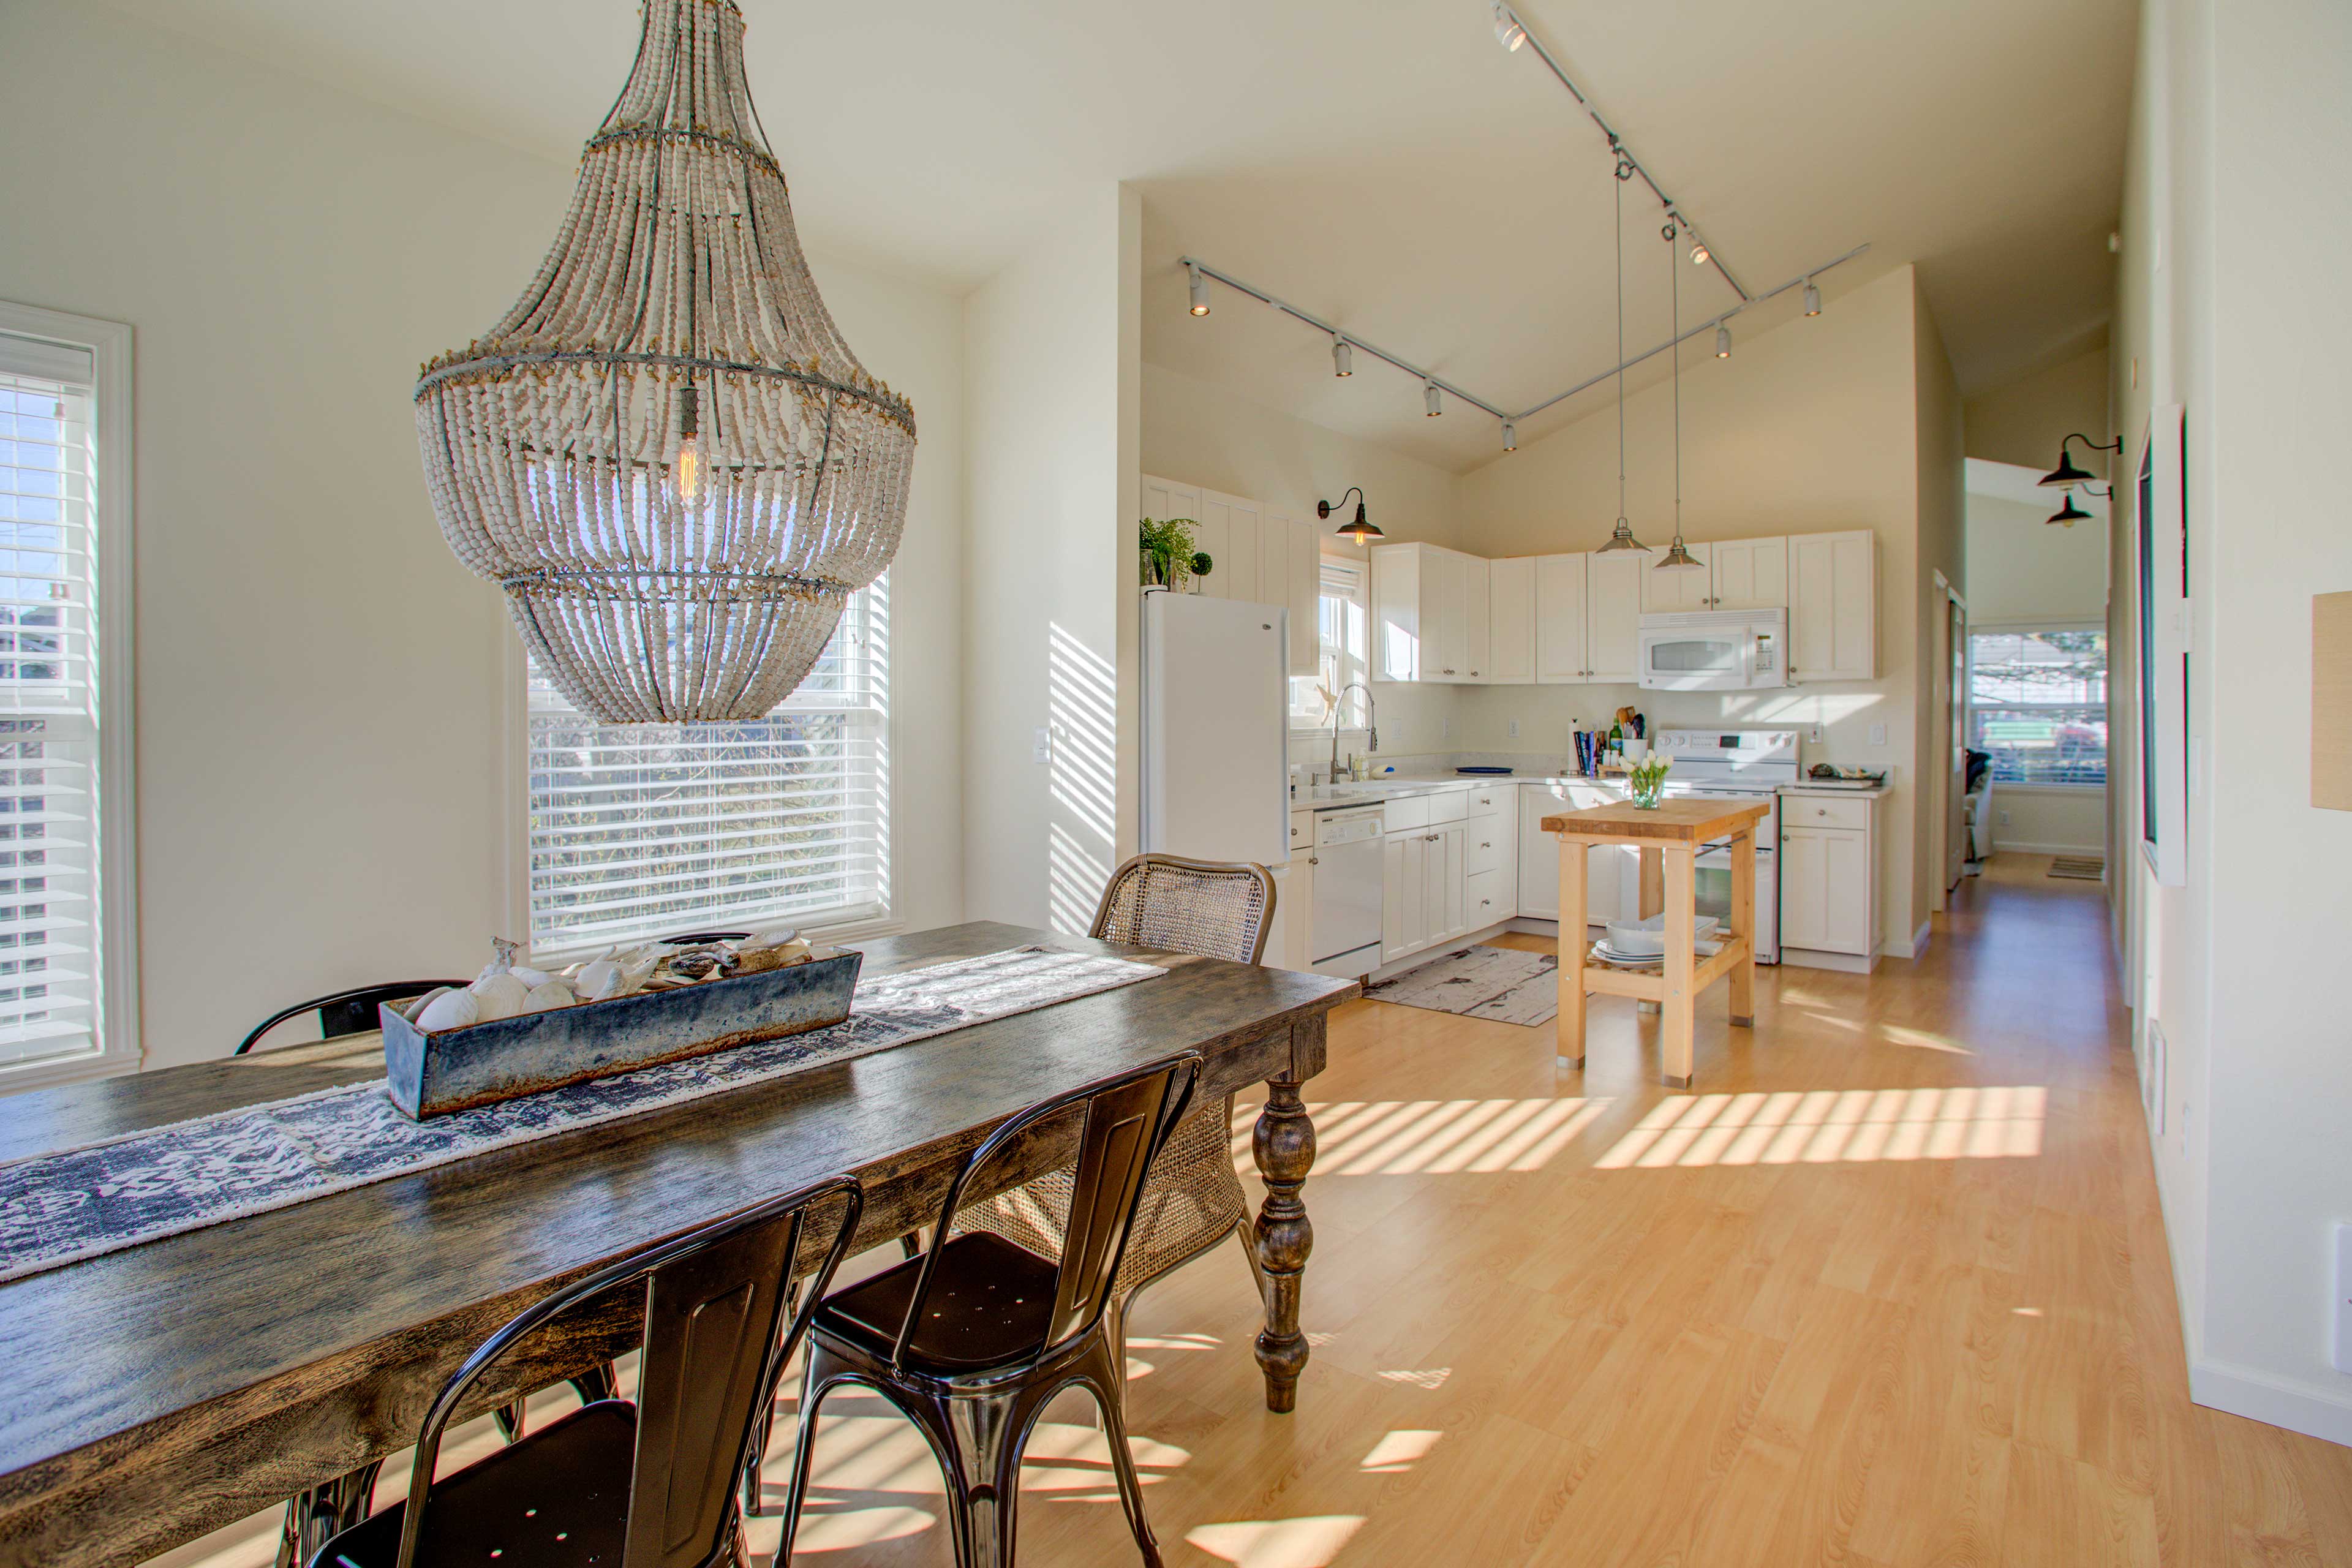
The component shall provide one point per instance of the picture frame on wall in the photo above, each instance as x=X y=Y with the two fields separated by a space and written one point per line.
x=2161 y=513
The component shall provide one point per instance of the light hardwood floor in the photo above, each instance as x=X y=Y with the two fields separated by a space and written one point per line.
x=1889 y=1288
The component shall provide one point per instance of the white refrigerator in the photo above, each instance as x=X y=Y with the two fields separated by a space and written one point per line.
x=1216 y=732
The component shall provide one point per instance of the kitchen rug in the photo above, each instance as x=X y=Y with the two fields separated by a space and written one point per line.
x=1508 y=984
x=2080 y=868
x=63 y=1206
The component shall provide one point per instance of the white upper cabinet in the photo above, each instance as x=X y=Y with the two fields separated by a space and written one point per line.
x=1612 y=625
x=1833 y=606
x=1684 y=588
x=1561 y=619
x=1256 y=554
x=1430 y=610
x=1749 y=573
x=1290 y=574
x=1511 y=621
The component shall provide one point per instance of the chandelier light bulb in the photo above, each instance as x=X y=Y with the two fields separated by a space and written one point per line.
x=687 y=470
x=1722 y=342
x=1343 y=358
x=1200 y=291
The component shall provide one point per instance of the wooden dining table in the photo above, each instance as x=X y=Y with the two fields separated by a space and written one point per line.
x=154 y=1393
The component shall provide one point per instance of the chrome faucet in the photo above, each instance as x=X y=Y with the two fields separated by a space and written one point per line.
x=1371 y=722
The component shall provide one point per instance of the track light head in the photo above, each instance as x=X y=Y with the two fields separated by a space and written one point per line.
x=1510 y=436
x=1722 y=341
x=1429 y=399
x=1200 y=288
x=1699 y=253
x=1507 y=31
x=1343 y=358
x=1812 y=299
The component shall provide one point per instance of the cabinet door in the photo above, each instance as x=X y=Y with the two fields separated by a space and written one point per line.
x=1750 y=574
x=1239 y=572
x=1804 y=867
x=1612 y=618
x=1477 y=631
x=1398 y=623
x=1211 y=527
x=1539 y=852
x=1444 y=873
x=1682 y=589
x=1833 y=606
x=1845 y=856
x=1612 y=883
x=1446 y=656
x=1511 y=621
x=1404 y=862
x=1561 y=620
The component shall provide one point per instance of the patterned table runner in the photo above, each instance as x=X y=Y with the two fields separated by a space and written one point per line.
x=68 y=1205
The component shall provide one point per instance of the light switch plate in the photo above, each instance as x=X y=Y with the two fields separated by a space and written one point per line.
x=2342 y=1359
x=1878 y=734
x=1043 y=751
x=1514 y=729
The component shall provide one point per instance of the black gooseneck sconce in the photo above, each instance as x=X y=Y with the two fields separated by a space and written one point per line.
x=1359 y=531
x=2066 y=476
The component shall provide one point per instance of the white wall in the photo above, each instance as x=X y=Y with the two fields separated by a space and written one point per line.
x=2023 y=571
x=320 y=685
x=2025 y=420
x=1810 y=426
x=1203 y=434
x=1049 y=347
x=2242 y=113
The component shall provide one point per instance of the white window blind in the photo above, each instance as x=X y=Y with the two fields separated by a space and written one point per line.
x=649 y=830
x=1343 y=641
x=48 y=703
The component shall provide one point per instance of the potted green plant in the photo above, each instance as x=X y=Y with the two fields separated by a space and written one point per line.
x=1168 y=558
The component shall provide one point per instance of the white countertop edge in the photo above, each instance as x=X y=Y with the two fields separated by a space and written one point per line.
x=1378 y=791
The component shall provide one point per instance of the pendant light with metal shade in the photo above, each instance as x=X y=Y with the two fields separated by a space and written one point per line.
x=1621 y=537
x=2066 y=475
x=1676 y=558
x=2068 y=515
x=1358 y=532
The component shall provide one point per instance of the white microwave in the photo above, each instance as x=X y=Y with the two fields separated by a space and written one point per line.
x=1715 y=650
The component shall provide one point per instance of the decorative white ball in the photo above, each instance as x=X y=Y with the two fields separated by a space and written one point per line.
x=499 y=995
x=549 y=993
x=450 y=1010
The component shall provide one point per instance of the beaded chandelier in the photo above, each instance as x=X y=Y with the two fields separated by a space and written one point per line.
x=665 y=454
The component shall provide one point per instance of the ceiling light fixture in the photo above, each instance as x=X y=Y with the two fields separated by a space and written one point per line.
x=1199 y=290
x=1700 y=253
x=1343 y=359
x=1361 y=531
x=1812 y=299
x=2066 y=476
x=1507 y=31
x=1678 y=558
x=1510 y=436
x=1722 y=341
x=1621 y=536
x=1429 y=399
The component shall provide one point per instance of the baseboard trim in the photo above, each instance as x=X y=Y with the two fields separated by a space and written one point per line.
x=2258 y=1397
x=1844 y=962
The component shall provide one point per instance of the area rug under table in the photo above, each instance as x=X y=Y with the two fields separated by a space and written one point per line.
x=1508 y=984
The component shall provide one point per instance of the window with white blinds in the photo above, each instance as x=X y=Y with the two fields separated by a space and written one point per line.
x=648 y=830
x=49 y=957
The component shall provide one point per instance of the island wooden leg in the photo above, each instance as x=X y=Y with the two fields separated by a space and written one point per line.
x=1284 y=1145
x=1675 y=1017
x=1649 y=899
x=1569 y=1028
x=1743 y=923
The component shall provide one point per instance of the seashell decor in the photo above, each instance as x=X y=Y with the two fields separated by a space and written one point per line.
x=506 y=988
x=664 y=453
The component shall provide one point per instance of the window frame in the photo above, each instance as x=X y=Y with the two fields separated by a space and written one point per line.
x=2031 y=626
x=1300 y=725
x=113 y=520
x=514 y=788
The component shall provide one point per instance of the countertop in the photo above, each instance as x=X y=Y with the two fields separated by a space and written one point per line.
x=1373 y=792
x=1845 y=792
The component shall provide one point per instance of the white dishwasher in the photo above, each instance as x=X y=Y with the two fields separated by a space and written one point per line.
x=1346 y=923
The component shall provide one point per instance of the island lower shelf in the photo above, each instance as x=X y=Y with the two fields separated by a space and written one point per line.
x=1650 y=984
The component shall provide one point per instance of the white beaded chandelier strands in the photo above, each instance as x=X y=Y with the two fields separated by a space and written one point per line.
x=665 y=454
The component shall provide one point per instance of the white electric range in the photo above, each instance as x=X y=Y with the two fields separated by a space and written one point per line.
x=1750 y=765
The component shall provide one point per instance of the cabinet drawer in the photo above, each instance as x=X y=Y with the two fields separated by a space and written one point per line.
x=1492 y=801
x=1405 y=811
x=1451 y=807
x=1485 y=848
x=1819 y=811
x=1482 y=899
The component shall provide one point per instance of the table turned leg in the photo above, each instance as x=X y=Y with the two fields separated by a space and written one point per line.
x=1284 y=1145
x=1568 y=1029
x=1743 y=923
x=1675 y=1017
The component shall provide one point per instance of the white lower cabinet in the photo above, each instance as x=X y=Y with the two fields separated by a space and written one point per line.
x=1611 y=871
x=1404 y=894
x=1828 y=881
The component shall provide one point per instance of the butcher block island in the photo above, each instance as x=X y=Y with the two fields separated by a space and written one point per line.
x=1669 y=836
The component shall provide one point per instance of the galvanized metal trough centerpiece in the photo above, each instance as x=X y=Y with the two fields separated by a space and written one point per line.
x=432 y=1072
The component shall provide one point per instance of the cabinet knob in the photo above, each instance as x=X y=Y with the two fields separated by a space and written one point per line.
x=1315 y=860
x=1485 y=846
x=1821 y=811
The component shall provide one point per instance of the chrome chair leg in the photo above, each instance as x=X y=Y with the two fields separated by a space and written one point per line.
x=317 y=1514
x=1106 y=1380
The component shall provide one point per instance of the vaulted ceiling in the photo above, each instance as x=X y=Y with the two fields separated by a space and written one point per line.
x=1382 y=163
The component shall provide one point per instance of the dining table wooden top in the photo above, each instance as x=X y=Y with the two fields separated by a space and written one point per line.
x=161 y=1391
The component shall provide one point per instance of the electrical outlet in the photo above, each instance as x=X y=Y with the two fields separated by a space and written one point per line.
x=2004 y=819
x=1814 y=735
x=1514 y=729
x=1878 y=734
x=1042 y=752
x=2342 y=1359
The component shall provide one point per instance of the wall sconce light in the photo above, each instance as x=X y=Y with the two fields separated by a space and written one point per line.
x=1358 y=532
x=2066 y=476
